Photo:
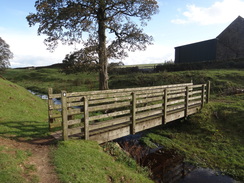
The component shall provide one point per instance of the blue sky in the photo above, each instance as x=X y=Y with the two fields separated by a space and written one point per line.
x=179 y=22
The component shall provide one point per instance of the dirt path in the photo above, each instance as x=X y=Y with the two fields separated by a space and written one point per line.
x=40 y=158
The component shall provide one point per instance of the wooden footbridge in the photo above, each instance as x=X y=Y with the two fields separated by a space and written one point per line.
x=107 y=115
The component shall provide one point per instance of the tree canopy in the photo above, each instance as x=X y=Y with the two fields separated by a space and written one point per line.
x=121 y=20
x=5 y=55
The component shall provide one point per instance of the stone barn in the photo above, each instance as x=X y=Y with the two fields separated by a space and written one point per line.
x=227 y=45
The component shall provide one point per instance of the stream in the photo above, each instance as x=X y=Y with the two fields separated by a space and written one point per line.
x=167 y=166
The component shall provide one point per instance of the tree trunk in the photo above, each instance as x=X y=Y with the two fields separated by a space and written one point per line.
x=102 y=53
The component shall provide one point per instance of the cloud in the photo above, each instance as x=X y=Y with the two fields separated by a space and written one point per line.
x=29 y=49
x=220 y=12
x=153 y=54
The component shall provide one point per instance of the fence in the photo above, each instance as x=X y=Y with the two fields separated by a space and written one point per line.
x=106 y=115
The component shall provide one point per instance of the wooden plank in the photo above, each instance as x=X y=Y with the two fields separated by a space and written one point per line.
x=176 y=101
x=50 y=106
x=133 y=113
x=86 y=118
x=147 y=124
x=56 y=115
x=97 y=99
x=148 y=113
x=195 y=92
x=111 y=135
x=109 y=106
x=55 y=107
x=52 y=96
x=64 y=115
x=75 y=104
x=75 y=111
x=165 y=106
x=195 y=98
x=109 y=123
x=126 y=90
x=196 y=86
x=202 y=96
x=175 y=107
x=112 y=114
x=149 y=107
x=191 y=103
x=143 y=101
x=149 y=95
x=176 y=95
x=76 y=131
x=75 y=121
x=174 y=116
x=186 y=101
x=208 y=92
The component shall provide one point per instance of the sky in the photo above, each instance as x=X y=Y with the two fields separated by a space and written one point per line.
x=178 y=22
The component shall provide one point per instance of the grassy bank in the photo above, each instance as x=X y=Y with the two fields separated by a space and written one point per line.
x=23 y=115
x=85 y=162
x=40 y=80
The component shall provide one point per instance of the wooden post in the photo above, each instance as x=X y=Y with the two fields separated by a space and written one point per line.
x=208 y=92
x=202 y=97
x=86 y=118
x=165 y=105
x=133 y=113
x=186 y=101
x=64 y=115
x=50 y=105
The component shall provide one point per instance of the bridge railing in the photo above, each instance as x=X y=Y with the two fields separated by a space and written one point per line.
x=110 y=114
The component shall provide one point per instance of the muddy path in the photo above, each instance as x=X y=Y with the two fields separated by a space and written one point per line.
x=40 y=157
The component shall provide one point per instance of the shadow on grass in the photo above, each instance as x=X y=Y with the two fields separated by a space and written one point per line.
x=24 y=130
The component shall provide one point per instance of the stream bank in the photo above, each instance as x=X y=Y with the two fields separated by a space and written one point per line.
x=168 y=165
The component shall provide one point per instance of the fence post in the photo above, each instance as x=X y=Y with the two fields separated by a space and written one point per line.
x=64 y=115
x=165 y=105
x=202 y=97
x=133 y=113
x=86 y=118
x=186 y=101
x=50 y=105
x=208 y=92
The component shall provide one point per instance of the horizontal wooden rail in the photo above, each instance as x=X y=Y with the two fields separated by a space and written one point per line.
x=110 y=114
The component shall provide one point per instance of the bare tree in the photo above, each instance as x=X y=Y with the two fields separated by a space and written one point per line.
x=68 y=20
x=5 y=55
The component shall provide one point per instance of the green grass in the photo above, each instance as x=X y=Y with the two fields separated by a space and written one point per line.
x=222 y=81
x=212 y=138
x=23 y=115
x=41 y=79
x=13 y=166
x=85 y=161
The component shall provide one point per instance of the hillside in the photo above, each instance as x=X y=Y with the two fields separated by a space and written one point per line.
x=22 y=114
x=28 y=155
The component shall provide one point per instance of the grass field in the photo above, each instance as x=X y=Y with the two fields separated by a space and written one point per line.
x=223 y=81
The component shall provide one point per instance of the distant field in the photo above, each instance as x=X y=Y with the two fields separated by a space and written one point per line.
x=142 y=66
